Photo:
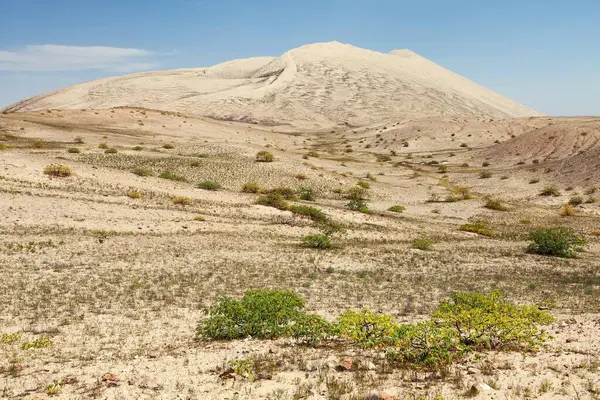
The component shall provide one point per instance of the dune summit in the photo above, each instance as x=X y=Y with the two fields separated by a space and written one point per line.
x=314 y=86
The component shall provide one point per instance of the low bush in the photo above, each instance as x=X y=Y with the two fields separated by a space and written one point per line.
x=134 y=194
x=550 y=191
x=265 y=156
x=172 y=176
x=301 y=176
x=317 y=241
x=74 y=150
x=209 y=185
x=306 y=194
x=485 y=175
x=181 y=200
x=495 y=204
x=479 y=227
x=103 y=145
x=274 y=200
x=58 y=171
x=576 y=201
x=358 y=205
x=467 y=322
x=168 y=146
x=143 y=172
x=558 y=242
x=422 y=244
x=111 y=151
x=366 y=328
x=397 y=209
x=262 y=314
x=250 y=188
x=287 y=192
x=364 y=184
x=137 y=148
x=307 y=211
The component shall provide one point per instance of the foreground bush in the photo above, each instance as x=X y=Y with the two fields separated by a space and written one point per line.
x=265 y=314
x=558 y=242
x=58 y=170
x=465 y=323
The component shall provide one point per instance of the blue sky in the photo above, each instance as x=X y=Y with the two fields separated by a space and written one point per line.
x=545 y=54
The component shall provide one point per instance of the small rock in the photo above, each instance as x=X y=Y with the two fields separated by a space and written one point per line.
x=110 y=380
x=479 y=388
x=345 y=365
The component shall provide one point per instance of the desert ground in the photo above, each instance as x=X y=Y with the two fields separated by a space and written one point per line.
x=105 y=273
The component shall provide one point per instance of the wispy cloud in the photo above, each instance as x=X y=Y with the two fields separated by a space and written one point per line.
x=51 y=57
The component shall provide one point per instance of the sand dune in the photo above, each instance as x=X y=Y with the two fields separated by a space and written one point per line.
x=314 y=86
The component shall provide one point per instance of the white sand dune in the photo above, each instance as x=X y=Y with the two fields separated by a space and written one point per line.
x=314 y=86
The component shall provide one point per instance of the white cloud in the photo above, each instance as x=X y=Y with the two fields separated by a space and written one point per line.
x=51 y=57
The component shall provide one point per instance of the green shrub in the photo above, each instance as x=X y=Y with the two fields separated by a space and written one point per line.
x=143 y=172
x=356 y=193
x=358 y=205
x=263 y=314
x=250 y=188
x=311 y=212
x=275 y=200
x=312 y=329
x=209 y=185
x=576 y=201
x=479 y=227
x=265 y=156
x=366 y=328
x=550 y=191
x=397 y=209
x=422 y=244
x=330 y=227
x=364 y=184
x=58 y=171
x=172 y=176
x=74 y=150
x=317 y=241
x=495 y=204
x=488 y=321
x=286 y=192
x=306 y=194
x=559 y=242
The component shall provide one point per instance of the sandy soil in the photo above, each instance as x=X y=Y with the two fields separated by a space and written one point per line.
x=117 y=283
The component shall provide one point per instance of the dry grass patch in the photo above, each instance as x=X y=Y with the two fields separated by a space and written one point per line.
x=58 y=171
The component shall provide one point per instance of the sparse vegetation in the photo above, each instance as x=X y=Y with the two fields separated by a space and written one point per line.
x=496 y=204
x=567 y=210
x=58 y=171
x=273 y=199
x=550 y=191
x=251 y=188
x=182 y=200
x=478 y=227
x=307 y=211
x=422 y=244
x=485 y=175
x=317 y=241
x=172 y=176
x=265 y=156
x=559 y=242
x=209 y=185
x=74 y=150
x=143 y=172
x=397 y=209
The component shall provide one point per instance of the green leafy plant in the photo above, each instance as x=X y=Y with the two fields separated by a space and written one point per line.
x=209 y=185
x=307 y=211
x=397 y=209
x=265 y=156
x=559 y=242
x=367 y=328
x=478 y=227
x=172 y=176
x=259 y=314
x=317 y=241
x=274 y=200
x=422 y=244
x=250 y=188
